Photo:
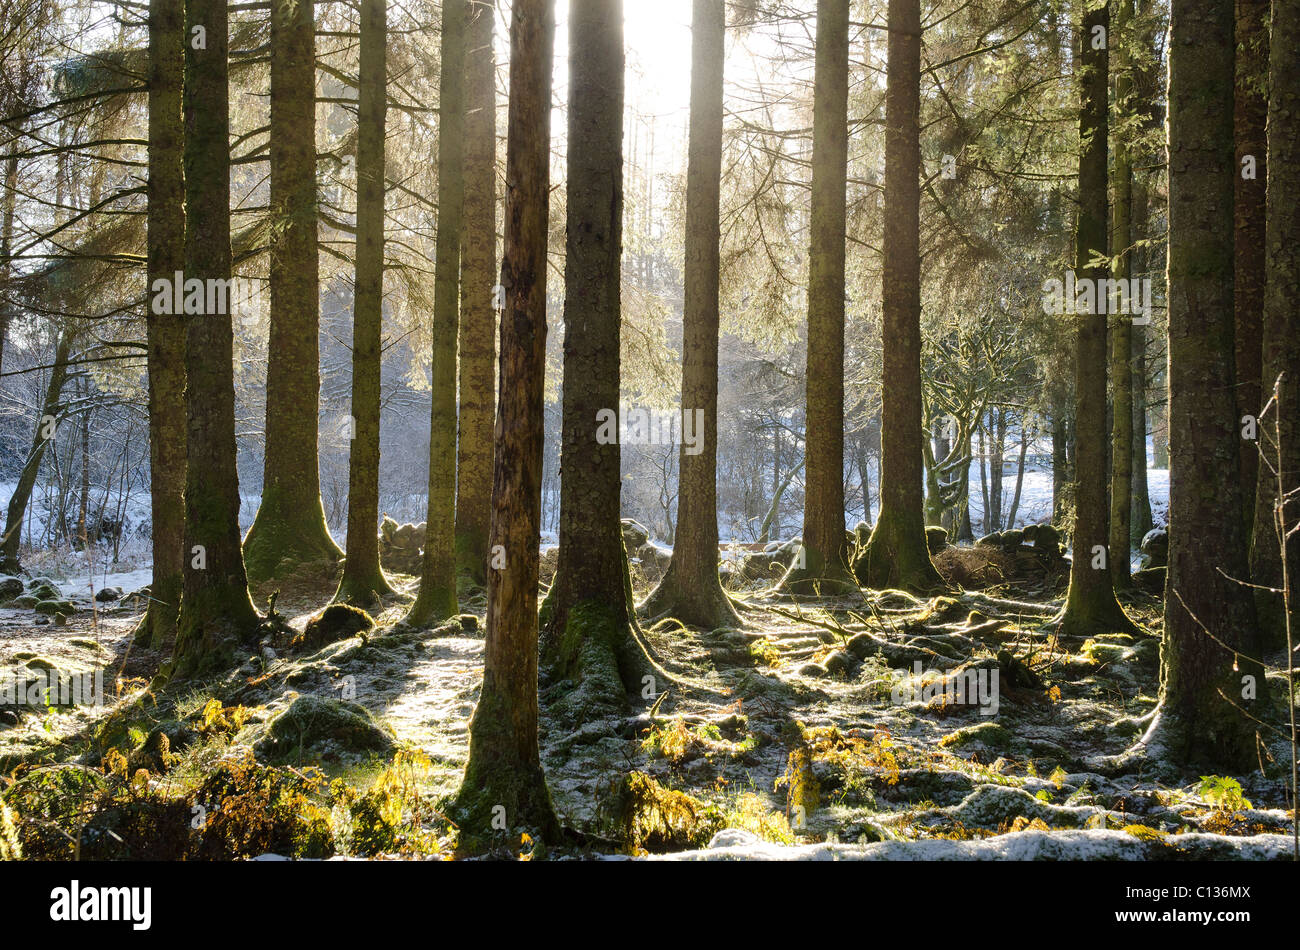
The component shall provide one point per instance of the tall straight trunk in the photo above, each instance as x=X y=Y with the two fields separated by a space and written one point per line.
x=290 y=525
x=1020 y=478
x=586 y=619
x=83 y=497
x=43 y=438
x=363 y=576
x=824 y=549
x=897 y=554
x=690 y=589
x=477 y=318
x=504 y=768
x=1121 y=333
x=1090 y=605
x=1280 y=434
x=165 y=332
x=437 y=597
x=1250 y=112
x=217 y=615
x=1140 y=521
x=998 y=441
x=1208 y=612
x=984 y=478
x=1061 y=476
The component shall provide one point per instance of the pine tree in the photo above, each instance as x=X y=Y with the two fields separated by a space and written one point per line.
x=165 y=333
x=690 y=589
x=504 y=767
x=1208 y=612
x=290 y=524
x=1281 y=335
x=1090 y=605
x=363 y=575
x=478 y=276
x=897 y=554
x=217 y=616
x=437 y=597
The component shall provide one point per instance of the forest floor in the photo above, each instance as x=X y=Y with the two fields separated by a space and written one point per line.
x=880 y=725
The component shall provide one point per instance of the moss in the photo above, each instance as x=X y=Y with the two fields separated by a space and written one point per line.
x=988 y=734
x=316 y=723
x=53 y=607
x=336 y=622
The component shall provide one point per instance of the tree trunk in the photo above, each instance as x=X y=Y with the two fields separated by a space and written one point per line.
x=1201 y=678
x=504 y=767
x=363 y=575
x=1090 y=605
x=45 y=431
x=437 y=598
x=6 y=242
x=823 y=566
x=1020 y=478
x=1280 y=432
x=897 y=554
x=587 y=616
x=690 y=589
x=478 y=278
x=165 y=332
x=217 y=616
x=290 y=525
x=1121 y=338
x=1250 y=111
x=1140 y=500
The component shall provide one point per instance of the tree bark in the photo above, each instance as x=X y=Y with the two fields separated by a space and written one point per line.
x=1201 y=679
x=165 y=333
x=363 y=575
x=1250 y=112
x=504 y=767
x=824 y=567
x=217 y=616
x=1280 y=433
x=437 y=597
x=290 y=525
x=1121 y=337
x=690 y=589
x=586 y=620
x=897 y=554
x=1090 y=605
x=478 y=319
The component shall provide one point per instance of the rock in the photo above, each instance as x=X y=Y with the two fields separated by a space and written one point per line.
x=314 y=723
x=336 y=622
x=25 y=602
x=1011 y=538
x=815 y=670
x=1155 y=545
x=53 y=607
x=635 y=534
x=108 y=594
x=10 y=587
x=936 y=538
x=990 y=735
x=400 y=546
x=468 y=622
x=862 y=645
x=1151 y=579
x=838 y=663
x=993 y=538
x=44 y=592
x=1046 y=539
x=60 y=620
